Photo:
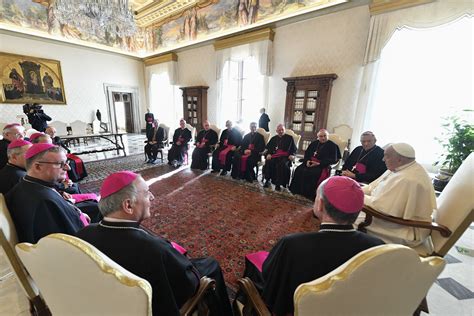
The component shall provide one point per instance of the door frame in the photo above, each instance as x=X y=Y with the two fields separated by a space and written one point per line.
x=109 y=89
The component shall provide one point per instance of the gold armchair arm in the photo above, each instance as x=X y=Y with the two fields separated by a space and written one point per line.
x=255 y=304
x=197 y=301
x=371 y=212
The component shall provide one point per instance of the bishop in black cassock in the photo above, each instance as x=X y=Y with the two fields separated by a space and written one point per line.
x=37 y=209
x=223 y=155
x=303 y=257
x=204 y=140
x=315 y=167
x=11 y=132
x=3 y=152
x=10 y=175
x=179 y=149
x=277 y=164
x=173 y=277
x=365 y=163
x=247 y=157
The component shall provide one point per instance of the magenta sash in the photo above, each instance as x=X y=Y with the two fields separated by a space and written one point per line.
x=79 y=163
x=324 y=173
x=257 y=258
x=203 y=142
x=280 y=153
x=223 y=154
x=324 y=176
x=360 y=167
x=179 y=248
x=84 y=219
x=85 y=197
x=243 y=161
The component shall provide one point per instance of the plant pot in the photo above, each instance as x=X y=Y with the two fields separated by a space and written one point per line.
x=441 y=179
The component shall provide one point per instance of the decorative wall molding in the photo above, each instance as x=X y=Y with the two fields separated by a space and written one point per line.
x=383 y=6
x=258 y=35
x=157 y=11
x=160 y=59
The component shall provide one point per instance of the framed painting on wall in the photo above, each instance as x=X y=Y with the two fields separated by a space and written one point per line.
x=28 y=79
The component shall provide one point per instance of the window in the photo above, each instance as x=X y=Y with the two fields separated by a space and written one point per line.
x=165 y=100
x=424 y=75
x=243 y=91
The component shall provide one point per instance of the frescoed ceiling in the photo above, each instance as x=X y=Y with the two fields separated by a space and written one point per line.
x=162 y=25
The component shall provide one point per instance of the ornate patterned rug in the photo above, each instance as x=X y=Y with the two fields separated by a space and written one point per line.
x=216 y=216
x=98 y=170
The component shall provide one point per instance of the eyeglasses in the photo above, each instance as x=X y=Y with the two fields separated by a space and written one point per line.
x=61 y=164
x=16 y=135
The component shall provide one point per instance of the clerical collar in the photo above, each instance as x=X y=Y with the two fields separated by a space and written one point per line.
x=405 y=166
x=331 y=227
x=118 y=220
x=28 y=178
x=119 y=224
x=15 y=166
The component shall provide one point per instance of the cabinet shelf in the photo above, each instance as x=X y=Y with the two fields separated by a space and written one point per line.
x=307 y=105
x=195 y=105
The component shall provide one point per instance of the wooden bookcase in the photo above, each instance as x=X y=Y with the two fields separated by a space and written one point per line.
x=307 y=106
x=195 y=105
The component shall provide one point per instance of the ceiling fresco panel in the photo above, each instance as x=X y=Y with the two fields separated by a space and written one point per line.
x=167 y=24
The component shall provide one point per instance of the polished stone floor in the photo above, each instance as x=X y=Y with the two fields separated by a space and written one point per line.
x=452 y=294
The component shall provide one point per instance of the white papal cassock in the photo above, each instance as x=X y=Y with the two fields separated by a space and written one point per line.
x=407 y=193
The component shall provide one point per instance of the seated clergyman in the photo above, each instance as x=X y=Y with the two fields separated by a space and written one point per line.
x=205 y=139
x=315 y=168
x=174 y=278
x=15 y=169
x=229 y=141
x=365 y=163
x=247 y=157
x=154 y=141
x=303 y=257
x=280 y=153
x=405 y=190
x=179 y=149
x=10 y=133
x=37 y=209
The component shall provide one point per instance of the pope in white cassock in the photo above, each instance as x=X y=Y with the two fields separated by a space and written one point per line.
x=405 y=191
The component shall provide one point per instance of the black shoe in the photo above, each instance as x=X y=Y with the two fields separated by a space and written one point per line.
x=267 y=184
x=249 y=180
x=277 y=188
x=223 y=173
x=214 y=171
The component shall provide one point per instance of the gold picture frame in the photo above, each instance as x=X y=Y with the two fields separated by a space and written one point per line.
x=27 y=79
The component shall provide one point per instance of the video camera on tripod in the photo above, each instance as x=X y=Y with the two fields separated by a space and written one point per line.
x=32 y=108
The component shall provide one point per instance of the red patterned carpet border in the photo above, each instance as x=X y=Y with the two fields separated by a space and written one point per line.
x=222 y=218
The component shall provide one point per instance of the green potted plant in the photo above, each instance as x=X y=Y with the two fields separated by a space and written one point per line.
x=458 y=142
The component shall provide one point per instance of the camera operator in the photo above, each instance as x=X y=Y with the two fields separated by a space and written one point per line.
x=36 y=116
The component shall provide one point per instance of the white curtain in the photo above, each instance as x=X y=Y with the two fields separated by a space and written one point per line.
x=163 y=99
x=382 y=27
x=261 y=52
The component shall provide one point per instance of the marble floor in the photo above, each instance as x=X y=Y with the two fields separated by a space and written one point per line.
x=452 y=293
